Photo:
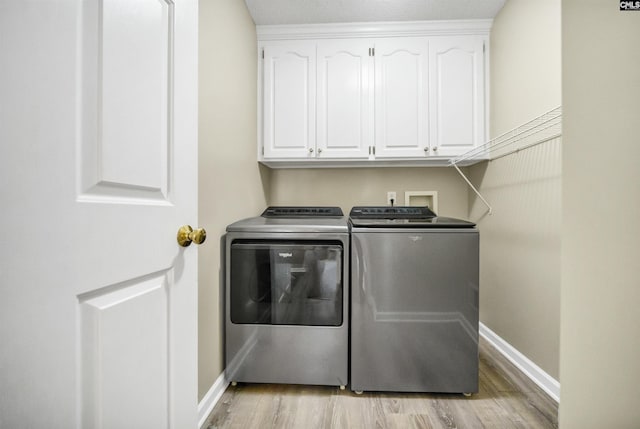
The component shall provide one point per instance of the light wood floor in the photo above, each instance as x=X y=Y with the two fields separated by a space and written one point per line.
x=507 y=399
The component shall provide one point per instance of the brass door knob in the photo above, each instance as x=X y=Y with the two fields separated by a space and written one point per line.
x=187 y=235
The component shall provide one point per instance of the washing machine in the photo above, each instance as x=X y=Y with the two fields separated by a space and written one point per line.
x=286 y=297
x=414 y=301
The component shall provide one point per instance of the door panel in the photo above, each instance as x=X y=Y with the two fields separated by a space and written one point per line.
x=345 y=99
x=457 y=69
x=98 y=311
x=127 y=68
x=401 y=97
x=289 y=100
x=112 y=322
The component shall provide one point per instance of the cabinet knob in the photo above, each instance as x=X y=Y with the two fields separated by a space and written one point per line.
x=426 y=149
x=319 y=150
x=310 y=150
x=435 y=148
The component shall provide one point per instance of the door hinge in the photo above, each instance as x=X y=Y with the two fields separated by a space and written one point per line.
x=372 y=52
x=262 y=150
x=374 y=150
x=263 y=54
x=484 y=48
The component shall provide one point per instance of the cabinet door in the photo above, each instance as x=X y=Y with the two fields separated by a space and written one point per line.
x=401 y=91
x=289 y=71
x=457 y=94
x=345 y=102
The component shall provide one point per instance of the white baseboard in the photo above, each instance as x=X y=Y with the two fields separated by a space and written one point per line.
x=211 y=399
x=547 y=383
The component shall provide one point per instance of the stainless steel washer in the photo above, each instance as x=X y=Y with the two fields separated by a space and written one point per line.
x=287 y=312
x=414 y=301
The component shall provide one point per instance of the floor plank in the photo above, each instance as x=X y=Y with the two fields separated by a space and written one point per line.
x=507 y=399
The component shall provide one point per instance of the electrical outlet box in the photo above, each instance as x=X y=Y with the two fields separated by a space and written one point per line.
x=391 y=195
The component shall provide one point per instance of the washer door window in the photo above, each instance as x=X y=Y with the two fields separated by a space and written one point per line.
x=286 y=283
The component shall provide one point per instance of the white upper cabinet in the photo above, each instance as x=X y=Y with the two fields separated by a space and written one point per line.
x=457 y=82
x=401 y=103
x=344 y=99
x=371 y=94
x=289 y=103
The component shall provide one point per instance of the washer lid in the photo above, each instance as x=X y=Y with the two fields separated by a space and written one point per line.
x=402 y=217
x=394 y=212
x=434 y=222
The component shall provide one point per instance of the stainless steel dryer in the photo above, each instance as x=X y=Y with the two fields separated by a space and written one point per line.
x=287 y=312
x=414 y=301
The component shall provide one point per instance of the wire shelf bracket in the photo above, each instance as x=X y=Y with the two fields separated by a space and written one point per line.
x=474 y=189
x=539 y=130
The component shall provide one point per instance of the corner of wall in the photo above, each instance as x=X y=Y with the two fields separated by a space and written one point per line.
x=520 y=243
x=231 y=183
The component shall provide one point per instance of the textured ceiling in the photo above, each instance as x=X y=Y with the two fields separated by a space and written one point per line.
x=275 y=12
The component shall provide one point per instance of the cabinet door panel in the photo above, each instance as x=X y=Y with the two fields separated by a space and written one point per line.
x=457 y=91
x=289 y=100
x=344 y=103
x=401 y=90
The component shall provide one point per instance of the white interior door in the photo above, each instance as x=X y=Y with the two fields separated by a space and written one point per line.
x=98 y=155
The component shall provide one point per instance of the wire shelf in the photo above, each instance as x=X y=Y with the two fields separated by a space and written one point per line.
x=539 y=130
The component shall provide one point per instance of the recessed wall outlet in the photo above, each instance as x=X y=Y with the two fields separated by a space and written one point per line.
x=422 y=198
x=391 y=198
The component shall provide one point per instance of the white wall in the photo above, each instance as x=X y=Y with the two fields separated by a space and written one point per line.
x=520 y=241
x=600 y=330
x=231 y=184
x=525 y=63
